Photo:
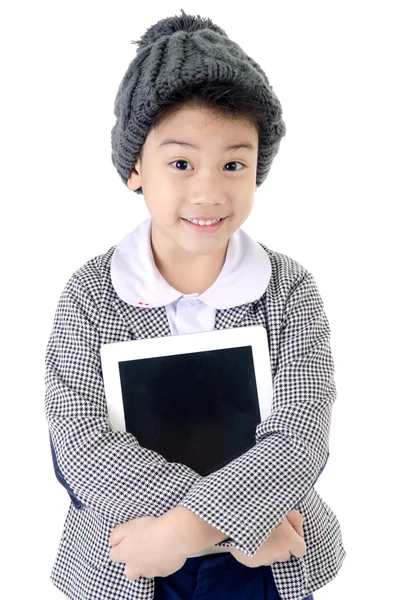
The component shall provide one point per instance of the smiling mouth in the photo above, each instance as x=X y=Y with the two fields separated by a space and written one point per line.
x=205 y=228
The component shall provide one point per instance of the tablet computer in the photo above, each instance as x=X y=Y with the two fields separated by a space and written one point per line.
x=194 y=398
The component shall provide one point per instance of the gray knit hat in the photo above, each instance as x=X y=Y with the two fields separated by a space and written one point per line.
x=173 y=53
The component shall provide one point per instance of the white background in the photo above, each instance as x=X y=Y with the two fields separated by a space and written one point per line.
x=327 y=202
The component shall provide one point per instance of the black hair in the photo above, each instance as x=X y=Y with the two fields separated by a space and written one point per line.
x=224 y=99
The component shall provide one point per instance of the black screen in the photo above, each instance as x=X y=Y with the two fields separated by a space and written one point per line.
x=200 y=409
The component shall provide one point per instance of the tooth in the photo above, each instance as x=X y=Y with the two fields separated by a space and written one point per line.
x=202 y=222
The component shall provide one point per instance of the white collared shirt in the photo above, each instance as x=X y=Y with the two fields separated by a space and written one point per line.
x=244 y=278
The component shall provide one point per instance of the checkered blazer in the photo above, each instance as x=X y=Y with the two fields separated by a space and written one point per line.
x=111 y=479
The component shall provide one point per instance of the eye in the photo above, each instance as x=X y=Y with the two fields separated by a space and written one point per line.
x=233 y=162
x=181 y=162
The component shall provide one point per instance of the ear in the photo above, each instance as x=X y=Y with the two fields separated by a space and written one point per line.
x=134 y=181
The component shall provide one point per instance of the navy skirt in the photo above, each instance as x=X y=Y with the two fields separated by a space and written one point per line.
x=217 y=577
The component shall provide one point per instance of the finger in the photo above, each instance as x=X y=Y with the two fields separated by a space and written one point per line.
x=130 y=573
x=299 y=518
x=297 y=515
x=298 y=546
x=117 y=535
x=296 y=520
x=115 y=554
x=299 y=529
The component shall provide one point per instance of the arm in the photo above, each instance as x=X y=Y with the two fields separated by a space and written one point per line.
x=104 y=470
x=250 y=496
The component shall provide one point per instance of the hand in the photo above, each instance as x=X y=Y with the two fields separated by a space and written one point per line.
x=286 y=539
x=141 y=545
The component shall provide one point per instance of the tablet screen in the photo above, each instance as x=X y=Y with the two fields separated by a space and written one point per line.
x=200 y=409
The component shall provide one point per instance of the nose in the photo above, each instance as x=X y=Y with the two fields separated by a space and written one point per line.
x=207 y=191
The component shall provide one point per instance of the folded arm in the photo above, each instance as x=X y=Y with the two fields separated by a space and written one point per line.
x=250 y=496
x=102 y=469
x=110 y=473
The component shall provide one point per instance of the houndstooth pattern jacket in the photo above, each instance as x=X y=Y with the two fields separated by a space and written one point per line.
x=111 y=479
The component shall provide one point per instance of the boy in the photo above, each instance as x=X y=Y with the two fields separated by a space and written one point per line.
x=192 y=97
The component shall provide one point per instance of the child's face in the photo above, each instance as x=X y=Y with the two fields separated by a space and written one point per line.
x=203 y=183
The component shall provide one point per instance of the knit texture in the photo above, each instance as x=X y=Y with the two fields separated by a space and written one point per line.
x=176 y=52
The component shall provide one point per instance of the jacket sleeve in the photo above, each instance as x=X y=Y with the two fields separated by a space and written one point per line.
x=247 y=498
x=102 y=469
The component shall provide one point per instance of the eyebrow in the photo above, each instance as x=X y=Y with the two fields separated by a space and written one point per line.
x=232 y=147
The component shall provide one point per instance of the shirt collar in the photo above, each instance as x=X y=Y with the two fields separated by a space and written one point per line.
x=244 y=276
